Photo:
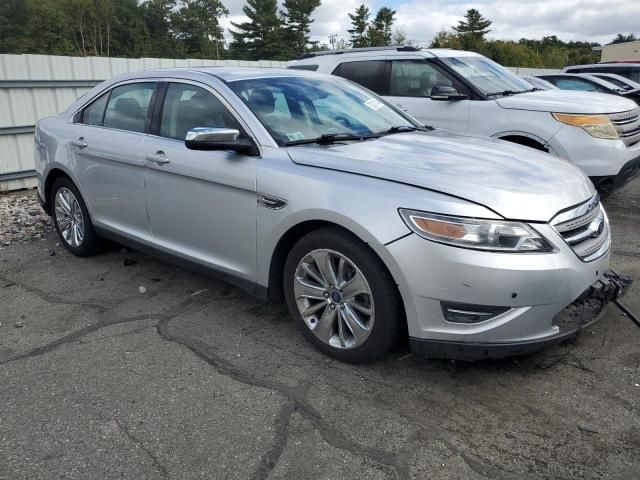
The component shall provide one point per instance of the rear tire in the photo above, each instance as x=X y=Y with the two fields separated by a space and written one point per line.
x=342 y=296
x=71 y=219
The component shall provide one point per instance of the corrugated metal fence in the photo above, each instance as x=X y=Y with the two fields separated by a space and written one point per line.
x=36 y=86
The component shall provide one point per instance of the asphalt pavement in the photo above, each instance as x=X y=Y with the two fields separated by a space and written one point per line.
x=122 y=366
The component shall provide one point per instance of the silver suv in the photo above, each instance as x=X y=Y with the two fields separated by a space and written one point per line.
x=307 y=187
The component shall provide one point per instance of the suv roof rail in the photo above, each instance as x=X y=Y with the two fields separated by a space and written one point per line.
x=403 y=48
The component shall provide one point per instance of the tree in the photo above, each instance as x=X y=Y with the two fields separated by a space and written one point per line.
x=297 y=18
x=360 y=23
x=160 y=40
x=445 y=39
x=263 y=36
x=400 y=37
x=13 y=22
x=196 y=24
x=380 y=30
x=621 y=38
x=473 y=29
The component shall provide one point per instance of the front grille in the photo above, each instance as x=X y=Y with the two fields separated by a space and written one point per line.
x=585 y=228
x=627 y=124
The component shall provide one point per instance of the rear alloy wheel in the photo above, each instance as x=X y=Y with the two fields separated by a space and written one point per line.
x=71 y=219
x=342 y=296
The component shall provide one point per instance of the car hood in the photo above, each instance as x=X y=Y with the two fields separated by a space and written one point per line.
x=514 y=181
x=567 y=101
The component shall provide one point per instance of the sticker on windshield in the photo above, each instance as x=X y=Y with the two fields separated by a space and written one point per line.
x=374 y=104
x=293 y=136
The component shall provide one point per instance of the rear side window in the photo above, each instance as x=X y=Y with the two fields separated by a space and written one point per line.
x=372 y=74
x=94 y=113
x=128 y=106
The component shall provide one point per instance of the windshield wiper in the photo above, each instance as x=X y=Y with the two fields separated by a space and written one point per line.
x=404 y=128
x=328 y=138
x=506 y=93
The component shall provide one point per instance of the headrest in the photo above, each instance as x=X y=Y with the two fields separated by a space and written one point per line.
x=262 y=100
x=129 y=107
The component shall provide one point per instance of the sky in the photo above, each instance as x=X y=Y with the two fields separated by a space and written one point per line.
x=590 y=20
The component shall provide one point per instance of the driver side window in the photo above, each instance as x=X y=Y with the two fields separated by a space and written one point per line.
x=187 y=106
x=415 y=78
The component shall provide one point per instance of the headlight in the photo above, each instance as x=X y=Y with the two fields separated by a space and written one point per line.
x=598 y=126
x=494 y=235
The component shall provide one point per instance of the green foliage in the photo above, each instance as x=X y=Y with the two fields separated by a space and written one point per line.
x=297 y=18
x=472 y=30
x=196 y=26
x=374 y=34
x=621 y=38
x=359 y=25
x=549 y=52
x=262 y=37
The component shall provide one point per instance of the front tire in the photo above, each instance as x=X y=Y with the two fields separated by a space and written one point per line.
x=71 y=219
x=341 y=296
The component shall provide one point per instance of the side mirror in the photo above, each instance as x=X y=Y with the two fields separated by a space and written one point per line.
x=444 y=93
x=205 y=138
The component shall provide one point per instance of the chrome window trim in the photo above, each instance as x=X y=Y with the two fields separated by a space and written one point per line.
x=234 y=112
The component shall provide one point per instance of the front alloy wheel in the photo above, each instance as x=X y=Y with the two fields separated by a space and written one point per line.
x=334 y=299
x=342 y=296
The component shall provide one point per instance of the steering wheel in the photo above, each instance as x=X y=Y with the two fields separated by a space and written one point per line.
x=343 y=120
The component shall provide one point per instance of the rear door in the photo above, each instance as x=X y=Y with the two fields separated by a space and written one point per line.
x=201 y=204
x=410 y=83
x=105 y=150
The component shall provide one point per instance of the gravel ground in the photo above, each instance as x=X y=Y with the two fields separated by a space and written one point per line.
x=22 y=220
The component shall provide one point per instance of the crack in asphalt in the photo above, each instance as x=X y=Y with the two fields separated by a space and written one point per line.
x=270 y=459
x=297 y=399
x=152 y=456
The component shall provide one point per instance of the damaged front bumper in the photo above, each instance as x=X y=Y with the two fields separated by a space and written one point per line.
x=582 y=312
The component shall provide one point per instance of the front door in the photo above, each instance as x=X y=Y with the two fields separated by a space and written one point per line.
x=201 y=204
x=410 y=84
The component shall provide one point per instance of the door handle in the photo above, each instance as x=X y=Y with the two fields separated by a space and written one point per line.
x=80 y=143
x=402 y=107
x=158 y=158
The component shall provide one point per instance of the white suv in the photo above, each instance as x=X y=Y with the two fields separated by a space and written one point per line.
x=468 y=92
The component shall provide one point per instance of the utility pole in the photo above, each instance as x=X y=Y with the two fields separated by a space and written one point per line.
x=332 y=40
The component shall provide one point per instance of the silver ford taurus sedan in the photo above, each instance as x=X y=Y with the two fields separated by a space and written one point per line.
x=309 y=188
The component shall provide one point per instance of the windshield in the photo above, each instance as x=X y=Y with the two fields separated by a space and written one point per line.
x=487 y=76
x=295 y=109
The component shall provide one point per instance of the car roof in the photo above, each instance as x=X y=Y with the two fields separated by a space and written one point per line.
x=226 y=74
x=338 y=55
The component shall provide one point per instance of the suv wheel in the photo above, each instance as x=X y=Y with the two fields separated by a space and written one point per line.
x=342 y=296
x=71 y=219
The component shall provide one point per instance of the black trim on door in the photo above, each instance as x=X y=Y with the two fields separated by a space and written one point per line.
x=154 y=112
x=475 y=94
